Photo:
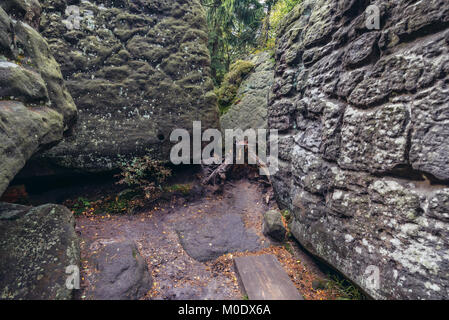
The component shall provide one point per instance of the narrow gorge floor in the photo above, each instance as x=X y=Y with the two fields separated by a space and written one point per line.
x=189 y=240
x=213 y=229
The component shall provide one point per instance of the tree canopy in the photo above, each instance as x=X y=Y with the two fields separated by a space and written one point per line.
x=238 y=27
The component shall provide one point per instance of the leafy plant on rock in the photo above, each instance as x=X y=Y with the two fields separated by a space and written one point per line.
x=145 y=174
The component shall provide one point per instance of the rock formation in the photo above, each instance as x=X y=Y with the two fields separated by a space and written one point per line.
x=273 y=225
x=35 y=107
x=250 y=108
x=121 y=273
x=137 y=69
x=37 y=247
x=363 y=117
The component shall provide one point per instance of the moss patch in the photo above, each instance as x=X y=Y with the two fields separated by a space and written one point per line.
x=227 y=92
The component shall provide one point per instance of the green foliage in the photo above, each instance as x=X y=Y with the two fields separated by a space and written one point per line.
x=240 y=27
x=289 y=248
x=146 y=174
x=184 y=189
x=115 y=206
x=280 y=9
x=124 y=202
x=287 y=216
x=232 y=26
x=81 y=205
x=346 y=289
x=227 y=92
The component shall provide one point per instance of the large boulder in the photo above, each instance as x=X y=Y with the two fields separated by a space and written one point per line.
x=37 y=247
x=120 y=272
x=136 y=70
x=215 y=235
x=35 y=106
x=273 y=225
x=364 y=141
x=250 y=109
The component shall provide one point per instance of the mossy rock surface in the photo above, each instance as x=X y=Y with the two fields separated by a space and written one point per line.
x=227 y=92
x=35 y=106
x=122 y=273
x=248 y=108
x=137 y=70
x=36 y=246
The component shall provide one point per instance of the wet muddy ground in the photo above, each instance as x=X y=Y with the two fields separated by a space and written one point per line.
x=189 y=246
x=188 y=239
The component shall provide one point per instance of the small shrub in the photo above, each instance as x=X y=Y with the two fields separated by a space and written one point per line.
x=146 y=174
x=287 y=216
x=81 y=205
x=289 y=248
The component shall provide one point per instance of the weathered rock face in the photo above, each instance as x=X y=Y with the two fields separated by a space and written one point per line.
x=35 y=106
x=36 y=247
x=137 y=69
x=273 y=225
x=250 y=110
x=215 y=236
x=121 y=273
x=363 y=117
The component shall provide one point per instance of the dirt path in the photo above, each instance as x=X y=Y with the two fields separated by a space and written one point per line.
x=212 y=229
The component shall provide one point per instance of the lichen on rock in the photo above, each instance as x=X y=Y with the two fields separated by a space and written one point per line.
x=137 y=70
x=35 y=106
x=36 y=247
x=363 y=149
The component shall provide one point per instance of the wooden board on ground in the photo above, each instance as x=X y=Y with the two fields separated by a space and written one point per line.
x=263 y=278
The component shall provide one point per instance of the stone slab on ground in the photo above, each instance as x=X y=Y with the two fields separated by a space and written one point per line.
x=121 y=273
x=263 y=278
x=36 y=247
x=212 y=236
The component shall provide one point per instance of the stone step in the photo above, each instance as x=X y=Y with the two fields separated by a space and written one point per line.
x=263 y=278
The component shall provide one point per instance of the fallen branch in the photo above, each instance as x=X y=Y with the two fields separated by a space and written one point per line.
x=224 y=167
x=220 y=171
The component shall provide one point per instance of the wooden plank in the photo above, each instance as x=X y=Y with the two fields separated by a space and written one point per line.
x=263 y=278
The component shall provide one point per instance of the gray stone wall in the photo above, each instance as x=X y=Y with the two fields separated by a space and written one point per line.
x=250 y=110
x=364 y=126
x=35 y=106
x=137 y=69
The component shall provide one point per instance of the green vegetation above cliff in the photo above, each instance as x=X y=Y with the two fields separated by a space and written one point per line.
x=227 y=91
x=240 y=27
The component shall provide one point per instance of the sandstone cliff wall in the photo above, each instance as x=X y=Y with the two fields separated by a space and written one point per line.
x=35 y=106
x=137 y=69
x=250 y=108
x=364 y=123
x=36 y=244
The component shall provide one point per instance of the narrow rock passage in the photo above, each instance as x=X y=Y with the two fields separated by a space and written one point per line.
x=182 y=241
